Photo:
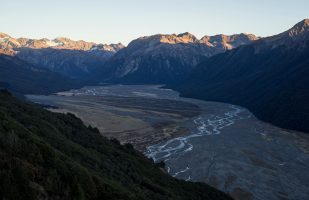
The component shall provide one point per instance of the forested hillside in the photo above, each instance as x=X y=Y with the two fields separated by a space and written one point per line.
x=45 y=155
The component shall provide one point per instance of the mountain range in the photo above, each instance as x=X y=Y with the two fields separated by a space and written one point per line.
x=46 y=155
x=166 y=58
x=269 y=77
x=75 y=59
x=151 y=59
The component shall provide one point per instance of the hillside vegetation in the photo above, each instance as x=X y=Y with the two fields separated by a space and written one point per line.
x=45 y=155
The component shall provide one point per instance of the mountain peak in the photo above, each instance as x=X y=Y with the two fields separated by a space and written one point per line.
x=303 y=23
x=228 y=41
x=170 y=38
x=187 y=37
x=185 y=34
x=3 y=35
x=300 y=28
x=295 y=35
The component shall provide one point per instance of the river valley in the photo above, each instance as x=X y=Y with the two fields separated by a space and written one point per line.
x=221 y=144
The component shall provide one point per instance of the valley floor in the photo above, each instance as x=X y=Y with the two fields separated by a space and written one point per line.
x=220 y=144
x=136 y=120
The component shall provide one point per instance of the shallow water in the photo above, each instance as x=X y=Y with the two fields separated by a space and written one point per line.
x=228 y=148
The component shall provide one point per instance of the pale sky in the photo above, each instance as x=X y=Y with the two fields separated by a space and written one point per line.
x=116 y=21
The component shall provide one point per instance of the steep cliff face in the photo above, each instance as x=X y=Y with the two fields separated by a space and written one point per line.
x=76 y=59
x=167 y=58
x=270 y=77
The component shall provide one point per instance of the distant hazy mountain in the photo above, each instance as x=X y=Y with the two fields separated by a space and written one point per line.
x=21 y=77
x=269 y=76
x=167 y=58
x=72 y=58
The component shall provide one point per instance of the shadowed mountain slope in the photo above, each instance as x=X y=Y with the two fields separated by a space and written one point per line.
x=45 y=155
x=270 y=77
x=21 y=77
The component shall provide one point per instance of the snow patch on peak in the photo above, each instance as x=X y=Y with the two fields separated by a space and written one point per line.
x=53 y=43
x=94 y=48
